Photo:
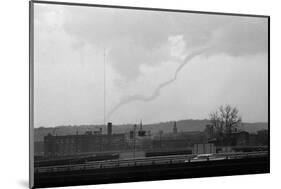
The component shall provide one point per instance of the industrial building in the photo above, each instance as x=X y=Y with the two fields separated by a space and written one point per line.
x=139 y=140
x=83 y=144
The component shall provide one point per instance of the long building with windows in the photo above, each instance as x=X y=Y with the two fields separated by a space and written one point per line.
x=83 y=144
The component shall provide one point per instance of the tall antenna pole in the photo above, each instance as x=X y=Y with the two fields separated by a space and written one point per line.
x=104 y=89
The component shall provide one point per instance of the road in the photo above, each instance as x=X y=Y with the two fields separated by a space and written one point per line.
x=156 y=168
x=145 y=161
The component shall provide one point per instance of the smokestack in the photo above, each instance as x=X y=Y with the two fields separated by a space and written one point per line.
x=109 y=128
x=175 y=129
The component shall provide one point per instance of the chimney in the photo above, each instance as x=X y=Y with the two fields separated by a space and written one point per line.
x=175 y=129
x=109 y=128
x=141 y=125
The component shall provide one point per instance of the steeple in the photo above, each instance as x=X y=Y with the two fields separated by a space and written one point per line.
x=141 y=132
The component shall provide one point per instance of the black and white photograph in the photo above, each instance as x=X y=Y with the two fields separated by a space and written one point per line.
x=126 y=94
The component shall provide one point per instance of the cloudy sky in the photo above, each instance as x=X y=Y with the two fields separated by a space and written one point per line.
x=160 y=66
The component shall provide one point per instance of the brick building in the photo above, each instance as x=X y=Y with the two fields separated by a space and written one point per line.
x=83 y=144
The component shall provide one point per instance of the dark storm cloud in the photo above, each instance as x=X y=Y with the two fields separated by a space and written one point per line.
x=137 y=37
x=242 y=37
x=152 y=56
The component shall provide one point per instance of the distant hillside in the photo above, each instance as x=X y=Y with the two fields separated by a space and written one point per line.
x=166 y=127
x=254 y=127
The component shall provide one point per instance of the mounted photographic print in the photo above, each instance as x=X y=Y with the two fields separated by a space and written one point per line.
x=126 y=94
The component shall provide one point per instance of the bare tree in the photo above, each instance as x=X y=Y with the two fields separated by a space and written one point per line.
x=225 y=120
x=216 y=122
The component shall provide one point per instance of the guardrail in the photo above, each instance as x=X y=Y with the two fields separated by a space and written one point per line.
x=173 y=159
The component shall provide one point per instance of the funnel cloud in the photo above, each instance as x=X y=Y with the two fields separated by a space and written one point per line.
x=157 y=91
x=147 y=51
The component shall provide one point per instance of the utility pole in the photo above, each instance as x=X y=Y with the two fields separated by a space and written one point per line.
x=134 y=153
x=100 y=136
x=161 y=132
x=104 y=88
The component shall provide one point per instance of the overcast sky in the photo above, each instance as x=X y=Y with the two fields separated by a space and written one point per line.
x=160 y=66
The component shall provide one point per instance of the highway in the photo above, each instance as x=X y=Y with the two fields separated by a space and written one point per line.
x=146 y=161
